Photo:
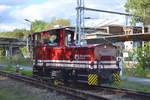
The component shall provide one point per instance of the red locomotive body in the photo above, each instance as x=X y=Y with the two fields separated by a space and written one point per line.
x=57 y=57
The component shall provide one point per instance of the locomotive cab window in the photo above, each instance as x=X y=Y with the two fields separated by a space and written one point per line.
x=69 y=39
x=53 y=39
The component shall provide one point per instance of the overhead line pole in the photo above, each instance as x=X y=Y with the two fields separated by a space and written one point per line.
x=79 y=21
x=28 y=41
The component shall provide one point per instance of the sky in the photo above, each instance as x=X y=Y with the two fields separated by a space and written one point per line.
x=13 y=12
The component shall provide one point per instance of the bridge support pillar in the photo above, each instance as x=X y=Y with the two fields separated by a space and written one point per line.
x=13 y=51
x=8 y=51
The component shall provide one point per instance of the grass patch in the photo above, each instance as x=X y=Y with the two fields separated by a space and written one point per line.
x=7 y=68
x=26 y=72
x=131 y=85
x=137 y=72
x=22 y=72
x=15 y=60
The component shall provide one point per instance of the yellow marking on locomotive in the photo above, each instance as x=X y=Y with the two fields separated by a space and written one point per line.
x=117 y=78
x=57 y=82
x=92 y=79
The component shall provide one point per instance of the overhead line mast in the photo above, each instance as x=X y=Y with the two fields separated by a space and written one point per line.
x=80 y=19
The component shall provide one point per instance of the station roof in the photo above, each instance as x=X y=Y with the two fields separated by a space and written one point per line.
x=123 y=38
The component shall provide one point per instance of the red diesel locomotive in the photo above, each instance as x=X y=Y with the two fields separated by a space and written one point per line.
x=56 y=56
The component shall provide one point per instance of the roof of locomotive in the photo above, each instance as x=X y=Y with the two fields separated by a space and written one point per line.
x=60 y=28
x=71 y=28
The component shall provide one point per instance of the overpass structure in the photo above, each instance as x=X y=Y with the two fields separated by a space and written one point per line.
x=12 y=46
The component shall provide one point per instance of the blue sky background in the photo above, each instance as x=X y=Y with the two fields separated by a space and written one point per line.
x=13 y=12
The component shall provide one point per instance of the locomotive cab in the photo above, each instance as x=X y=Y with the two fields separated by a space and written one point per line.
x=56 y=37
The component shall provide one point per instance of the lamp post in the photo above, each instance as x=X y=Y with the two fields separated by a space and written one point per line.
x=28 y=51
x=30 y=25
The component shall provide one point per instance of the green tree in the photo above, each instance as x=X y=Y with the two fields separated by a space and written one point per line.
x=38 y=25
x=59 y=21
x=17 y=33
x=140 y=8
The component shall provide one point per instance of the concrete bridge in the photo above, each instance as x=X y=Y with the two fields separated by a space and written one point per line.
x=12 y=46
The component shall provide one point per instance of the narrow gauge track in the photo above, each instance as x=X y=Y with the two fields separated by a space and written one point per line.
x=74 y=93
x=96 y=93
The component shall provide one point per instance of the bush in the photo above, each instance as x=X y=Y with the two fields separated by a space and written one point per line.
x=144 y=57
x=24 y=50
x=142 y=68
x=2 y=52
x=127 y=58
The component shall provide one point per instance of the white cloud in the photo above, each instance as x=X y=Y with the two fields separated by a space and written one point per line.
x=4 y=8
x=10 y=27
x=12 y=2
x=56 y=8
x=44 y=11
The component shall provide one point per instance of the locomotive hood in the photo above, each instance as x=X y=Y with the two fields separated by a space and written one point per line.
x=104 y=49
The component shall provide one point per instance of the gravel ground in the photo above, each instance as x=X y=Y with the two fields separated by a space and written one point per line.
x=25 y=90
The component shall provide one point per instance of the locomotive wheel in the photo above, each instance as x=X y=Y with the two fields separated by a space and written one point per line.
x=116 y=78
